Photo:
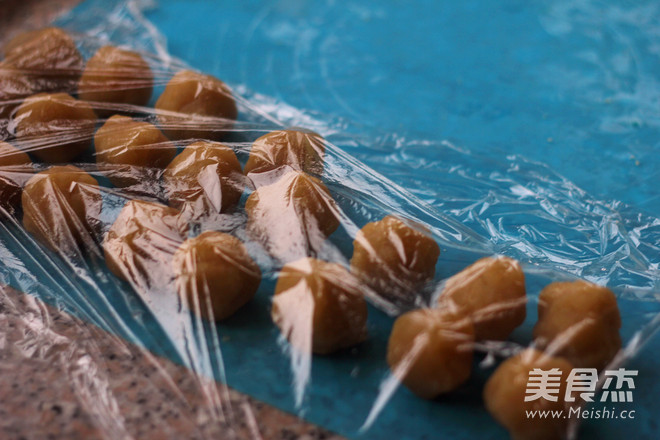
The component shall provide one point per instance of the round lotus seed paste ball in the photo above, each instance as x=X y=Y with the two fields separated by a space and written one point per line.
x=215 y=275
x=14 y=87
x=207 y=175
x=299 y=149
x=15 y=170
x=48 y=57
x=61 y=208
x=293 y=216
x=318 y=306
x=55 y=128
x=579 y=321
x=492 y=293
x=394 y=258
x=205 y=105
x=116 y=76
x=505 y=392
x=431 y=351
x=141 y=242
x=132 y=151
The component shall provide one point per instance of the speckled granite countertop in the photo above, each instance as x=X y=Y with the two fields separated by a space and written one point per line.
x=63 y=378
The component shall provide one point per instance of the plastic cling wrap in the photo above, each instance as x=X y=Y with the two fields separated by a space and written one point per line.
x=255 y=244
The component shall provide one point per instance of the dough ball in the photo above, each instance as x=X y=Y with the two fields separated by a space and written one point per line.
x=293 y=216
x=55 y=128
x=206 y=104
x=116 y=76
x=395 y=258
x=215 y=275
x=492 y=293
x=300 y=149
x=318 y=306
x=579 y=321
x=132 y=151
x=141 y=242
x=48 y=57
x=14 y=87
x=15 y=170
x=430 y=351
x=61 y=208
x=505 y=392
x=207 y=175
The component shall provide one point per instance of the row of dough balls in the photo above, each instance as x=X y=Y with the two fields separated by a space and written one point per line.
x=205 y=173
x=48 y=60
x=54 y=127
x=319 y=306
x=431 y=350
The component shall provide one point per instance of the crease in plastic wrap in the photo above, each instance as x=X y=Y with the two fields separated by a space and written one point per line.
x=130 y=216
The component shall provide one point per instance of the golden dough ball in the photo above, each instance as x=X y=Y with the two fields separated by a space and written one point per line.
x=215 y=275
x=116 y=76
x=318 y=306
x=55 y=128
x=292 y=216
x=492 y=293
x=131 y=150
x=206 y=174
x=48 y=57
x=505 y=392
x=15 y=170
x=300 y=149
x=141 y=242
x=431 y=351
x=394 y=258
x=579 y=321
x=207 y=105
x=61 y=208
x=14 y=87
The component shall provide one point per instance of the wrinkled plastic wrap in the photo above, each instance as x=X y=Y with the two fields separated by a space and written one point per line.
x=149 y=216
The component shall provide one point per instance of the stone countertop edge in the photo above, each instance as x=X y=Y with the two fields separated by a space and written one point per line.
x=61 y=377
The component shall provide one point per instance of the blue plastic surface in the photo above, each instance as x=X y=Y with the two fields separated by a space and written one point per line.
x=570 y=84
